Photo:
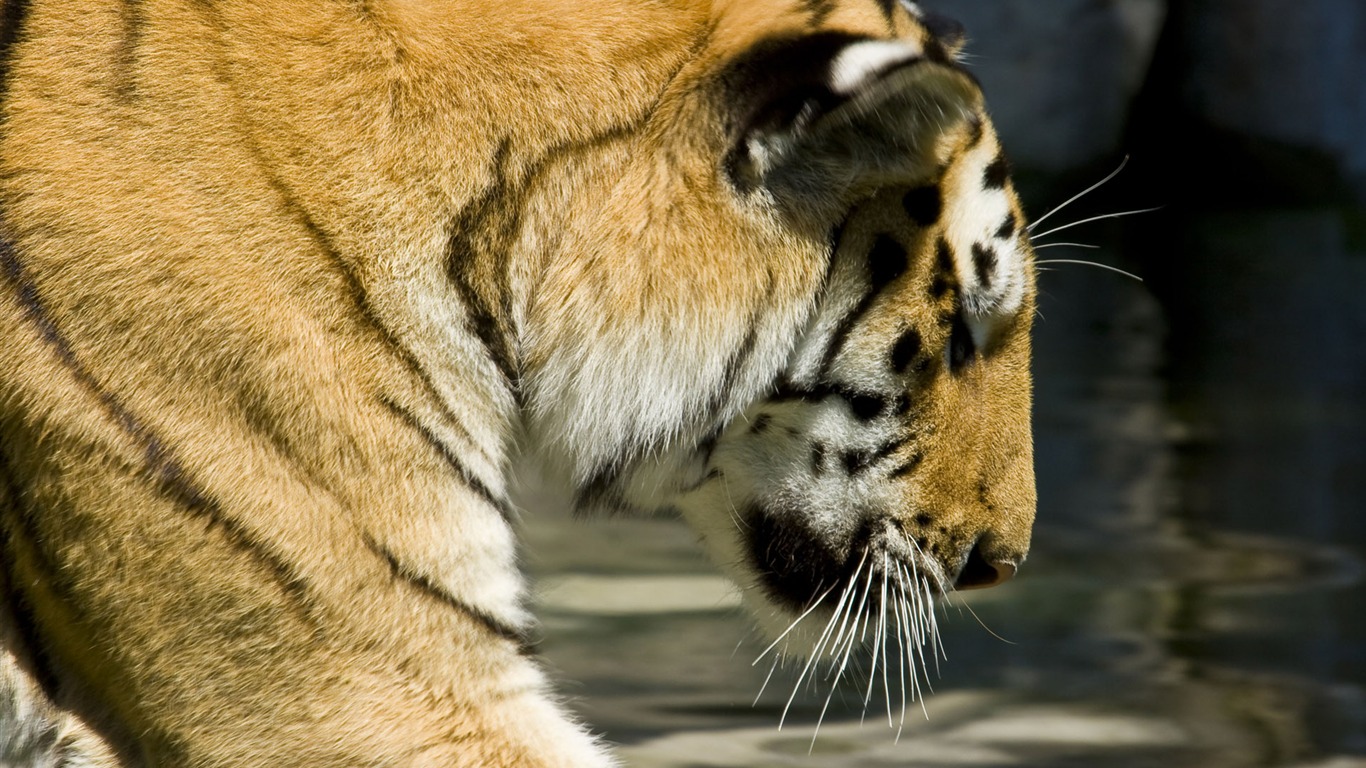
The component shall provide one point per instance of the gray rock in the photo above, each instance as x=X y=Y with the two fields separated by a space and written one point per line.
x=1293 y=71
x=1059 y=75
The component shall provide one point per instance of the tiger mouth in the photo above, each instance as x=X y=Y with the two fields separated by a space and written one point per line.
x=798 y=567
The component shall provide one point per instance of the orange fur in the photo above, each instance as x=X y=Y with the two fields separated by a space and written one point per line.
x=245 y=382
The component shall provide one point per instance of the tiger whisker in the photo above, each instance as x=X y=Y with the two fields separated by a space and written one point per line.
x=1098 y=265
x=767 y=678
x=984 y=626
x=907 y=601
x=858 y=614
x=814 y=657
x=914 y=638
x=792 y=626
x=923 y=609
x=906 y=662
x=882 y=637
x=877 y=639
x=834 y=686
x=918 y=629
x=900 y=654
x=867 y=590
x=934 y=631
x=928 y=629
x=1080 y=194
x=1087 y=246
x=1090 y=219
x=811 y=659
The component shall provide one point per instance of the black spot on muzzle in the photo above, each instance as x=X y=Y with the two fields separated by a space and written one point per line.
x=797 y=565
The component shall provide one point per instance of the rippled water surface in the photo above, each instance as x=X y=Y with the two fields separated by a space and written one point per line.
x=1195 y=594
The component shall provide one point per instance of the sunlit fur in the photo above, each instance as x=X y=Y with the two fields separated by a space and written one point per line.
x=295 y=290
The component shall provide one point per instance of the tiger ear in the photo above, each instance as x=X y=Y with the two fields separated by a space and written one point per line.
x=830 y=113
x=946 y=32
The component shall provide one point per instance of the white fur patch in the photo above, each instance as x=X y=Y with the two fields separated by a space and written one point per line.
x=862 y=62
x=974 y=224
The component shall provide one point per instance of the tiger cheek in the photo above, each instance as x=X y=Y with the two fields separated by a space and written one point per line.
x=973 y=501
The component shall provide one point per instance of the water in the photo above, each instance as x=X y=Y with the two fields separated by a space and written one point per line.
x=1195 y=596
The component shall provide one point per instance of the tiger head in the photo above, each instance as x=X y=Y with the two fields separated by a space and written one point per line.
x=827 y=372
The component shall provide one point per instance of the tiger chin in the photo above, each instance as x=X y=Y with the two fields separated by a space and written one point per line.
x=291 y=289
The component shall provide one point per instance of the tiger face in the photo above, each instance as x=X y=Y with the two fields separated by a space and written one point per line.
x=891 y=449
x=866 y=420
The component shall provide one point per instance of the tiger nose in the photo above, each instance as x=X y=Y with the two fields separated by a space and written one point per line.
x=981 y=571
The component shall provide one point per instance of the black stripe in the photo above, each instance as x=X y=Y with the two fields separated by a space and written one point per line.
x=739 y=358
x=773 y=85
x=889 y=447
x=18 y=541
x=886 y=262
x=786 y=389
x=471 y=480
x=19 y=605
x=888 y=8
x=841 y=334
x=355 y=288
x=712 y=474
x=935 y=51
x=997 y=173
x=1008 y=227
x=13 y=16
x=480 y=230
x=160 y=466
x=599 y=488
x=362 y=303
x=820 y=10
x=707 y=445
x=420 y=582
x=976 y=132
x=482 y=234
x=856 y=461
x=126 y=59
x=864 y=405
x=907 y=466
x=902 y=404
x=906 y=349
x=945 y=276
x=984 y=263
x=20 y=592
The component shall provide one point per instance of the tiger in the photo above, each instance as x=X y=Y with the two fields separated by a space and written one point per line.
x=294 y=294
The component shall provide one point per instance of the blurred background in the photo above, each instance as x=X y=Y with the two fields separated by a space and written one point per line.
x=1195 y=596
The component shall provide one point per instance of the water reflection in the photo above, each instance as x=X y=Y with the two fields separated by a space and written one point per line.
x=1195 y=595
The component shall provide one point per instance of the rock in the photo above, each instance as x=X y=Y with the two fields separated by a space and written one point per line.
x=1059 y=75
x=1289 y=71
